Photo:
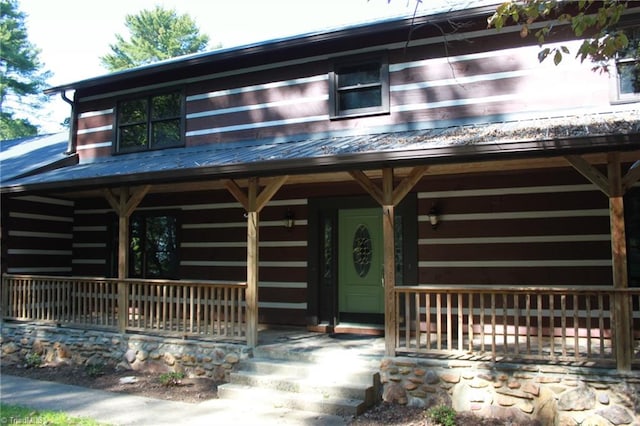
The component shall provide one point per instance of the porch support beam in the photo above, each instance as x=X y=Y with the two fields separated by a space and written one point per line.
x=388 y=241
x=632 y=176
x=124 y=205
x=622 y=303
x=591 y=173
x=253 y=201
x=389 y=197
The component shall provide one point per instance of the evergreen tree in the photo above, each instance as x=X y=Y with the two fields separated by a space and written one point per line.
x=22 y=77
x=154 y=35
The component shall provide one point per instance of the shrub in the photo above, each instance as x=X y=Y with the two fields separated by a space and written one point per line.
x=171 y=379
x=94 y=370
x=442 y=415
x=33 y=360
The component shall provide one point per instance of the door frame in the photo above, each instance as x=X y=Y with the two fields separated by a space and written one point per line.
x=322 y=295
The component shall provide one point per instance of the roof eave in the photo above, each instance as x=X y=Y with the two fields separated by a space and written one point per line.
x=270 y=46
x=458 y=154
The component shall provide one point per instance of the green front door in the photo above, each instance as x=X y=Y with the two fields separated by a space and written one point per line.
x=360 y=286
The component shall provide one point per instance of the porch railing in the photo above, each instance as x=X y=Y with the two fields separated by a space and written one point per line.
x=209 y=309
x=518 y=323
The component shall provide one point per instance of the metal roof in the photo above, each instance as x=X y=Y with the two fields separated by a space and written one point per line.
x=24 y=156
x=533 y=137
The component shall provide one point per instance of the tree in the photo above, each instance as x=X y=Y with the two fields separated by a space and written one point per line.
x=595 y=20
x=154 y=35
x=22 y=77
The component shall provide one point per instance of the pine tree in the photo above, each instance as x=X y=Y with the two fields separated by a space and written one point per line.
x=22 y=77
x=154 y=35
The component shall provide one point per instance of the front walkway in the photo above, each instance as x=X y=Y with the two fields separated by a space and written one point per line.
x=123 y=409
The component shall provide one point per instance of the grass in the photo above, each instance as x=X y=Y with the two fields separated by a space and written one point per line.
x=17 y=415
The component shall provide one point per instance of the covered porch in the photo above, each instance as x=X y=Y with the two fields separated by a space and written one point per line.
x=547 y=325
x=558 y=323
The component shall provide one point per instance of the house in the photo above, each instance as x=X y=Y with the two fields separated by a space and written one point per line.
x=425 y=177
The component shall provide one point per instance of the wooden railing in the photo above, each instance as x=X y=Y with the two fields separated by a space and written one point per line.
x=514 y=323
x=182 y=308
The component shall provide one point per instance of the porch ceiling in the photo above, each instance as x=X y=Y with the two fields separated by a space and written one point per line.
x=523 y=144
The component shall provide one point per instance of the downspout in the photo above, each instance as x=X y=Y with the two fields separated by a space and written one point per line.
x=71 y=147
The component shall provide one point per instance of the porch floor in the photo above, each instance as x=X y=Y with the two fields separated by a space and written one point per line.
x=299 y=344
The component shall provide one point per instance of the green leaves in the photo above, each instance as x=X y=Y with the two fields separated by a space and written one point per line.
x=155 y=35
x=595 y=21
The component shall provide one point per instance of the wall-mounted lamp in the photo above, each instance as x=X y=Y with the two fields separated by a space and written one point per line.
x=433 y=216
x=289 y=220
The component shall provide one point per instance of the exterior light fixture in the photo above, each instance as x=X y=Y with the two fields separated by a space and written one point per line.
x=289 y=220
x=433 y=216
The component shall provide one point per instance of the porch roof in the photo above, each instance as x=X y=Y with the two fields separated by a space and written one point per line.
x=30 y=155
x=526 y=138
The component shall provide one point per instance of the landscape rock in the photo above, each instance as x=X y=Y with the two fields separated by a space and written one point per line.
x=578 y=399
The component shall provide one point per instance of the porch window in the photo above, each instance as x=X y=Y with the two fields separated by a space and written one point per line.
x=359 y=88
x=632 y=231
x=153 y=246
x=151 y=122
x=627 y=73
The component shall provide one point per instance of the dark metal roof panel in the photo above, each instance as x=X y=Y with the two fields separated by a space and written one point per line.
x=19 y=157
x=326 y=153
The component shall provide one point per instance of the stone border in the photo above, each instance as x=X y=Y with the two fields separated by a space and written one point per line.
x=548 y=394
x=58 y=345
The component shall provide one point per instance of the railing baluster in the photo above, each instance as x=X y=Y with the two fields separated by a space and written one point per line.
x=470 y=323
x=493 y=326
x=482 y=348
x=460 y=322
x=439 y=321
x=576 y=329
x=516 y=323
x=428 y=320
x=505 y=324
x=528 y=322
x=418 y=316
x=601 y=321
x=449 y=325
x=563 y=323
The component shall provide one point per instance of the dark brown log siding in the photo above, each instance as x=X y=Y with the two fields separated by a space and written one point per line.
x=513 y=228
x=473 y=83
x=536 y=228
x=213 y=239
x=39 y=237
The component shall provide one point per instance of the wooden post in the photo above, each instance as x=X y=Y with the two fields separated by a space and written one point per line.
x=388 y=198
x=124 y=206
x=252 y=264
x=388 y=237
x=621 y=312
x=253 y=202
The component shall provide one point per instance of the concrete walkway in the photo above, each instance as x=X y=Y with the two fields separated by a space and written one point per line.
x=123 y=409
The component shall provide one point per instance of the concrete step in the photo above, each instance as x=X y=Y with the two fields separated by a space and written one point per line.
x=343 y=389
x=295 y=401
x=287 y=383
x=360 y=374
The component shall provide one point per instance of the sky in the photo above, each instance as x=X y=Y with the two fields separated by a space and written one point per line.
x=73 y=34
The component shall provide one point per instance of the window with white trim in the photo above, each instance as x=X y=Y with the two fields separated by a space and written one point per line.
x=627 y=72
x=359 y=87
x=150 y=122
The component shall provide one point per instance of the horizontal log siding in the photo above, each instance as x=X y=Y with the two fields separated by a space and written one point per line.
x=500 y=83
x=39 y=235
x=533 y=228
x=213 y=236
x=95 y=129
x=468 y=86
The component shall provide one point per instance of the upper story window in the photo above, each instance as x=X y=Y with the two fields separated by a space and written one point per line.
x=359 y=88
x=628 y=69
x=150 y=122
